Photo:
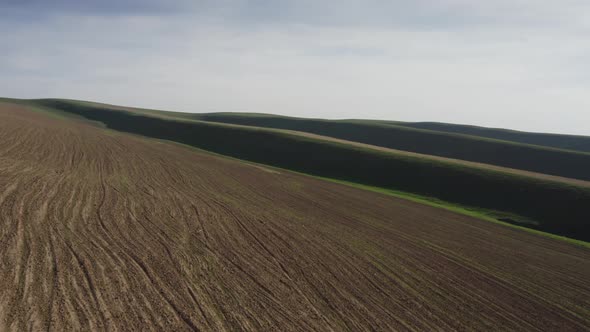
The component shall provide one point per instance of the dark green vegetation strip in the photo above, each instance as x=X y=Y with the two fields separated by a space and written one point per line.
x=533 y=158
x=557 y=208
x=567 y=142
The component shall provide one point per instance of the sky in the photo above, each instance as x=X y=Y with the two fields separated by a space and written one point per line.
x=520 y=64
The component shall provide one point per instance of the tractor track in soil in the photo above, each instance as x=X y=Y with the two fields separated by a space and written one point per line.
x=108 y=231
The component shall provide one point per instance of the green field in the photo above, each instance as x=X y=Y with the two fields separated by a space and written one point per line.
x=566 y=142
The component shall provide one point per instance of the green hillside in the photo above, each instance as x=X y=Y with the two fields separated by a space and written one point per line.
x=566 y=142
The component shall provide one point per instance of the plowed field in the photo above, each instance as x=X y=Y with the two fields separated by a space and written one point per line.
x=106 y=231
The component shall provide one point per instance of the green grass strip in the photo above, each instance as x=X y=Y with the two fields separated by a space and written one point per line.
x=434 y=202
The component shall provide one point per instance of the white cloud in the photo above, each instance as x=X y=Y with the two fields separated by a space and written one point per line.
x=510 y=64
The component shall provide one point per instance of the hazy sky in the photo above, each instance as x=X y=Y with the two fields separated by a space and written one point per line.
x=522 y=64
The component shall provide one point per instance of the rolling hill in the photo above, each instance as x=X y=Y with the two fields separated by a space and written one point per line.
x=533 y=158
x=534 y=201
x=103 y=230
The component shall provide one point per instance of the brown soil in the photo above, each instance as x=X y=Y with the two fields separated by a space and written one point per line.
x=108 y=231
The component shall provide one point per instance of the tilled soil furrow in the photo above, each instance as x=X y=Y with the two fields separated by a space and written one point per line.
x=107 y=231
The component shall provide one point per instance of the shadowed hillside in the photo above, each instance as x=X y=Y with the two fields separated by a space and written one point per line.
x=495 y=152
x=566 y=142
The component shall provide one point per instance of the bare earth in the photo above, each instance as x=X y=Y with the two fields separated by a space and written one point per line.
x=108 y=231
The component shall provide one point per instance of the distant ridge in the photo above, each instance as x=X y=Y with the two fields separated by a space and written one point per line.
x=534 y=158
x=560 y=141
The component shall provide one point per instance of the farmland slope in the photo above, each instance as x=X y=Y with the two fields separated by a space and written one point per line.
x=106 y=231
x=551 y=206
x=555 y=154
